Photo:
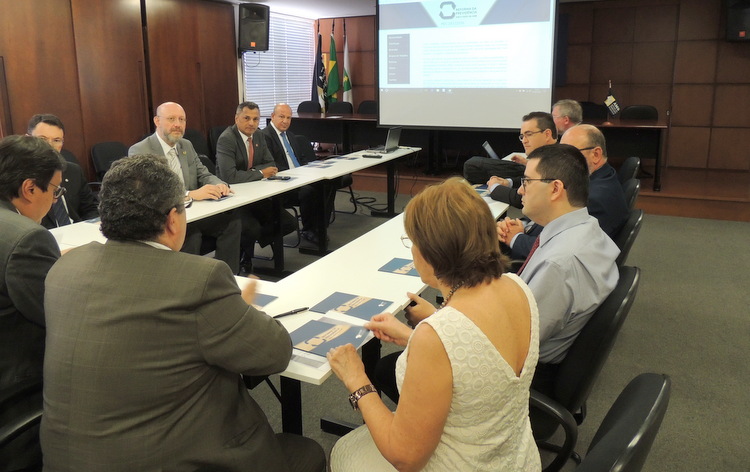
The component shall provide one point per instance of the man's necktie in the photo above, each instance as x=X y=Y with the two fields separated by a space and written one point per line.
x=289 y=149
x=174 y=164
x=250 y=153
x=60 y=212
x=528 y=258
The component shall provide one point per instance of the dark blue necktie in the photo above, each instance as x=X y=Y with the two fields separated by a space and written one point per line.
x=60 y=213
x=288 y=147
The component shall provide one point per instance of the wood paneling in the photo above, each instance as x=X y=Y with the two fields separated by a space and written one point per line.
x=732 y=106
x=729 y=149
x=688 y=147
x=653 y=63
x=734 y=63
x=695 y=62
x=699 y=19
x=111 y=71
x=656 y=23
x=614 y=25
x=692 y=105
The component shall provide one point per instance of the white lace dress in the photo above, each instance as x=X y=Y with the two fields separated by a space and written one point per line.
x=488 y=427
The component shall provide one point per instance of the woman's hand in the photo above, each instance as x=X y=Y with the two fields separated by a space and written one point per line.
x=387 y=328
x=348 y=367
x=418 y=312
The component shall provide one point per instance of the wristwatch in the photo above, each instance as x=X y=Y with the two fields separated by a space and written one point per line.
x=359 y=393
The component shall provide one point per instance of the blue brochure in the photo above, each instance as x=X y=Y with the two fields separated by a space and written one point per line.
x=400 y=266
x=348 y=304
x=318 y=337
x=262 y=300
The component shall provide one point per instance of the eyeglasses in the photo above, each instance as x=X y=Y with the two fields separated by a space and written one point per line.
x=59 y=141
x=172 y=119
x=528 y=134
x=187 y=203
x=406 y=241
x=59 y=191
x=587 y=148
x=525 y=181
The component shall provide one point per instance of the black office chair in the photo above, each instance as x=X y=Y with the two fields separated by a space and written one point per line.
x=579 y=370
x=626 y=237
x=625 y=436
x=20 y=415
x=340 y=108
x=639 y=112
x=344 y=183
x=208 y=163
x=368 y=107
x=213 y=138
x=631 y=188
x=308 y=107
x=199 y=142
x=69 y=157
x=594 y=111
x=629 y=169
x=104 y=154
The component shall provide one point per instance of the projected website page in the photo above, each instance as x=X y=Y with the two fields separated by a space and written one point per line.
x=464 y=63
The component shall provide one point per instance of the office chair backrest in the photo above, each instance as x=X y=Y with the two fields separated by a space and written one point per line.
x=629 y=169
x=69 y=156
x=631 y=189
x=340 y=108
x=308 y=107
x=594 y=111
x=303 y=145
x=639 y=112
x=104 y=154
x=368 y=107
x=199 y=142
x=626 y=237
x=625 y=436
x=20 y=412
x=213 y=138
x=588 y=353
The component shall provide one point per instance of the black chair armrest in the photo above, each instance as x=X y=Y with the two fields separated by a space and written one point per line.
x=562 y=416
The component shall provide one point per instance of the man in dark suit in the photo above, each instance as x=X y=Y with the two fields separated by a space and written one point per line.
x=201 y=184
x=146 y=346
x=30 y=181
x=287 y=154
x=242 y=156
x=606 y=200
x=79 y=202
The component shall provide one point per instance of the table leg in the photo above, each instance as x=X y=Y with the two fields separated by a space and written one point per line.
x=291 y=406
x=278 y=243
x=391 y=195
x=662 y=152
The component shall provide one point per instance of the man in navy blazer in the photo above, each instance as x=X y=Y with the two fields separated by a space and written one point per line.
x=200 y=184
x=606 y=200
x=79 y=202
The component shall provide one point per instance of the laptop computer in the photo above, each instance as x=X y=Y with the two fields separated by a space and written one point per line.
x=391 y=141
x=493 y=155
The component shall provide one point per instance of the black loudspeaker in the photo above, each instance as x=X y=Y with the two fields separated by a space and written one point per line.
x=253 y=27
x=738 y=20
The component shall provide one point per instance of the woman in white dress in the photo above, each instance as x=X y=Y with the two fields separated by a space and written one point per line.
x=465 y=374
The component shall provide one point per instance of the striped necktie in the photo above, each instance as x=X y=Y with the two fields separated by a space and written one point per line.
x=60 y=212
x=528 y=258
x=250 y=153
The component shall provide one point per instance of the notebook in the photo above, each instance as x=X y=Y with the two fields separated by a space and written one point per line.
x=493 y=155
x=391 y=141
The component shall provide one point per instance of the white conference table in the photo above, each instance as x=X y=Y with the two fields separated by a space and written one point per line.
x=353 y=268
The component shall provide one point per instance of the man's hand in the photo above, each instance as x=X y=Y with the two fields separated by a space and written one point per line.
x=248 y=293
x=418 y=312
x=269 y=172
x=497 y=180
x=519 y=159
x=210 y=192
x=508 y=228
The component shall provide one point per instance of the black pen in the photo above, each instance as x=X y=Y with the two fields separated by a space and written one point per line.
x=293 y=312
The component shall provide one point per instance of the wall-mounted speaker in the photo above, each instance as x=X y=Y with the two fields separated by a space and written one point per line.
x=253 y=27
x=738 y=20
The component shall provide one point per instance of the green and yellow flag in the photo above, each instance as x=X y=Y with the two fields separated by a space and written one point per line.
x=333 y=73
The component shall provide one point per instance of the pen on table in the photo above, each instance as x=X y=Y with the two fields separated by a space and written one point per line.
x=292 y=312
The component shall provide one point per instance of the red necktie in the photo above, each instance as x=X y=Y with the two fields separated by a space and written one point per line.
x=531 y=253
x=250 y=153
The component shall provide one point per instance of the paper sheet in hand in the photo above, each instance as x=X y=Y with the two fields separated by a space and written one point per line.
x=400 y=266
x=262 y=300
x=318 y=337
x=353 y=305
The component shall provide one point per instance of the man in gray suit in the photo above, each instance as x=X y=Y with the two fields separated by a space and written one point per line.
x=145 y=347
x=30 y=181
x=201 y=184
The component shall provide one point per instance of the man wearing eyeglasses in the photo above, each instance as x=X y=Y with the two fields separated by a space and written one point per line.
x=168 y=141
x=606 y=200
x=30 y=181
x=567 y=114
x=145 y=346
x=537 y=129
x=79 y=202
x=571 y=267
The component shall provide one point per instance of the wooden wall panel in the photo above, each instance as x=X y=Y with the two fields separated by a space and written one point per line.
x=653 y=63
x=688 y=147
x=700 y=19
x=111 y=71
x=692 y=105
x=695 y=62
x=41 y=76
x=656 y=23
x=729 y=149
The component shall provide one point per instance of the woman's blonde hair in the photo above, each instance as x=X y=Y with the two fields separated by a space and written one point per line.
x=456 y=234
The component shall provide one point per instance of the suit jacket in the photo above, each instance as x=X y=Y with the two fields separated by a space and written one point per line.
x=274 y=144
x=231 y=157
x=79 y=199
x=195 y=173
x=606 y=203
x=27 y=251
x=142 y=371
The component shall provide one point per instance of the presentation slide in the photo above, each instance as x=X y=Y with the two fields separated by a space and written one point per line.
x=464 y=63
